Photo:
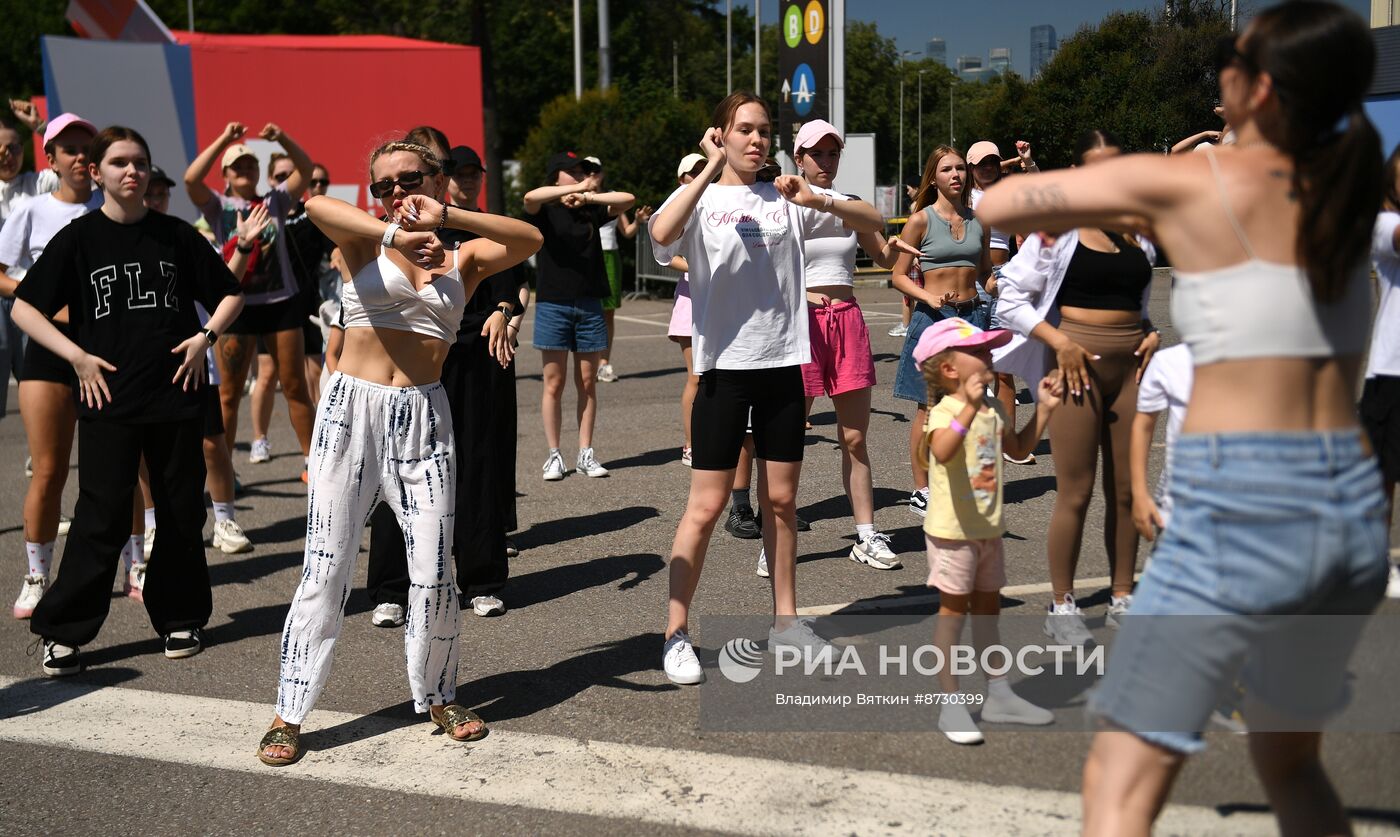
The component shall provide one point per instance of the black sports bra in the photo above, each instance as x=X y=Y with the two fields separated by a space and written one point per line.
x=1106 y=281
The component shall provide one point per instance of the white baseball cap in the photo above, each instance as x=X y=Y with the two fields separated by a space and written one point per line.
x=688 y=163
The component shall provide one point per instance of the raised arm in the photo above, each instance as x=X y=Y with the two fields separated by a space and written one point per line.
x=502 y=242
x=1101 y=195
x=250 y=227
x=856 y=215
x=1195 y=140
x=200 y=168
x=883 y=251
x=627 y=226
x=668 y=224
x=359 y=234
x=301 y=175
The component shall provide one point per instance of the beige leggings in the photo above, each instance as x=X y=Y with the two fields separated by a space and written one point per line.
x=1101 y=417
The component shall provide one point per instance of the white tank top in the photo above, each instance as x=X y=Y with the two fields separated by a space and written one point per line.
x=381 y=296
x=1259 y=309
x=829 y=249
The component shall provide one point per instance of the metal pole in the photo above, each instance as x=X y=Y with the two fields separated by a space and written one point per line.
x=604 y=48
x=189 y=6
x=1232 y=15
x=578 y=50
x=675 y=72
x=901 y=122
x=920 y=128
x=728 y=46
x=757 y=73
x=951 y=141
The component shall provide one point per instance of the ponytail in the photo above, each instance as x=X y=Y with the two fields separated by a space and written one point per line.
x=1339 y=188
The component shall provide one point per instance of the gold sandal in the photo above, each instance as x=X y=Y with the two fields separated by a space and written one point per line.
x=280 y=737
x=453 y=716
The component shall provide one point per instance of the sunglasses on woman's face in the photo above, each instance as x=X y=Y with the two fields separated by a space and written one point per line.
x=319 y=182
x=281 y=177
x=1227 y=52
x=408 y=182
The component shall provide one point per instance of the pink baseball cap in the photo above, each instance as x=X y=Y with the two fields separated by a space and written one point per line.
x=813 y=131
x=64 y=121
x=956 y=333
x=981 y=151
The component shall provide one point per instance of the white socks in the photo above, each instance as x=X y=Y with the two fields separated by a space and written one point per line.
x=135 y=546
x=222 y=512
x=864 y=531
x=40 y=557
x=151 y=517
x=1004 y=706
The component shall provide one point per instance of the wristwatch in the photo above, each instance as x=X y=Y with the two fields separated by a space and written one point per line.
x=209 y=335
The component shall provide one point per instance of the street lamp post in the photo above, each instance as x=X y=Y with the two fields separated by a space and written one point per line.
x=902 y=57
x=951 y=142
x=920 y=123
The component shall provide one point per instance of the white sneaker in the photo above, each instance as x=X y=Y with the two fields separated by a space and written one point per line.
x=1117 y=609
x=898 y=331
x=588 y=466
x=29 y=467
x=875 y=552
x=956 y=723
x=918 y=501
x=260 y=451
x=679 y=660
x=150 y=541
x=554 y=467
x=61 y=660
x=799 y=634
x=488 y=606
x=387 y=615
x=29 y=595
x=1004 y=706
x=1392 y=590
x=229 y=537
x=64 y=524
x=762 y=563
x=1029 y=460
x=134 y=587
x=686 y=458
x=606 y=373
x=1064 y=623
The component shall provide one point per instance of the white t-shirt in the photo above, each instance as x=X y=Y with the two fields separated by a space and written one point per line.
x=27 y=232
x=22 y=187
x=1166 y=385
x=744 y=245
x=830 y=248
x=607 y=235
x=998 y=239
x=1385 y=340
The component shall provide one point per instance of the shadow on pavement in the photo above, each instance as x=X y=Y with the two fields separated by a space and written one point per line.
x=557 y=582
x=551 y=532
x=662 y=456
x=29 y=696
x=251 y=567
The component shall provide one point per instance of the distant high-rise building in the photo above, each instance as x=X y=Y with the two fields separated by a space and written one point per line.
x=936 y=50
x=969 y=62
x=999 y=60
x=1043 y=46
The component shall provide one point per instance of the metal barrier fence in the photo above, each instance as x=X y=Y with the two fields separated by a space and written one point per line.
x=648 y=271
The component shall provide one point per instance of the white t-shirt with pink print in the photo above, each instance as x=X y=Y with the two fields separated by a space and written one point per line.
x=744 y=246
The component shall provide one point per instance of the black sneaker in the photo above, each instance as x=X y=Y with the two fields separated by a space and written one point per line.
x=181 y=644
x=802 y=525
x=742 y=523
x=61 y=660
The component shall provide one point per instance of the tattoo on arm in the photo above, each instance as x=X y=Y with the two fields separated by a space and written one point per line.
x=1281 y=174
x=1048 y=198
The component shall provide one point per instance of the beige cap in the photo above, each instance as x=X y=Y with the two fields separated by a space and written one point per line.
x=236 y=151
x=981 y=151
x=689 y=162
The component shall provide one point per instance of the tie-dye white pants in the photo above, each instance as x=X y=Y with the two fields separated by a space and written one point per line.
x=374 y=441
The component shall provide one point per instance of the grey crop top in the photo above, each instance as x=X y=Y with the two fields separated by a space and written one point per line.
x=381 y=296
x=1259 y=309
x=940 y=249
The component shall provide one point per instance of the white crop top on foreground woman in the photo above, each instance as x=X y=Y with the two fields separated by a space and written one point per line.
x=381 y=296
x=1259 y=309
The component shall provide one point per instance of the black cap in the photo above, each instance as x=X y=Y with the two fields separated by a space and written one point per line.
x=158 y=175
x=463 y=157
x=565 y=160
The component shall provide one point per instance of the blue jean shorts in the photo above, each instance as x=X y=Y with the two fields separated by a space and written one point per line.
x=908 y=380
x=1269 y=534
x=576 y=326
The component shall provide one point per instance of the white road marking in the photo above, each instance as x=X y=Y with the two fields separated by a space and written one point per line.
x=891 y=602
x=681 y=788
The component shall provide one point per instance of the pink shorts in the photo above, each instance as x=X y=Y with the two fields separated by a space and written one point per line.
x=680 y=312
x=841 y=360
x=960 y=567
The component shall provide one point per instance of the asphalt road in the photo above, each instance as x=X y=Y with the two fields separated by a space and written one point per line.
x=143 y=744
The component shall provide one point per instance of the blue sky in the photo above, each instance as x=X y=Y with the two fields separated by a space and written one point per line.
x=975 y=26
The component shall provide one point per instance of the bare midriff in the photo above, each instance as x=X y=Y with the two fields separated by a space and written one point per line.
x=1097 y=316
x=818 y=296
x=391 y=357
x=960 y=281
x=1274 y=395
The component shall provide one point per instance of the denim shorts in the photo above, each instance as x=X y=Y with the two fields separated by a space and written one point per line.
x=908 y=380
x=1269 y=533
x=576 y=326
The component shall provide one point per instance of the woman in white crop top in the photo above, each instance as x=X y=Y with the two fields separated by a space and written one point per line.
x=842 y=365
x=384 y=428
x=1278 y=501
x=743 y=240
